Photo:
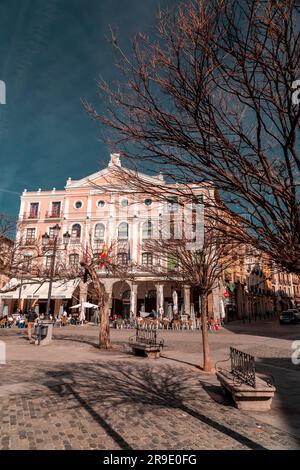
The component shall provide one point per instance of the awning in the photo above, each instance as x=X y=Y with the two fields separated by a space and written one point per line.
x=39 y=290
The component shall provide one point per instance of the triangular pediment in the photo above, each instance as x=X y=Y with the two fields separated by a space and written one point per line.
x=109 y=176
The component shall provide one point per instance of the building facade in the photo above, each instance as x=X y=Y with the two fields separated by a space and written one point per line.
x=98 y=212
x=253 y=288
x=91 y=212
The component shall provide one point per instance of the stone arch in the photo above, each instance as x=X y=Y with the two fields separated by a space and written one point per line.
x=121 y=299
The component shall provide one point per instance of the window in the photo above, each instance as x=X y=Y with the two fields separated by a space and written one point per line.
x=172 y=264
x=34 y=210
x=48 y=262
x=172 y=204
x=124 y=203
x=100 y=204
x=74 y=260
x=99 y=232
x=122 y=259
x=55 y=212
x=148 y=202
x=147 y=259
x=27 y=263
x=147 y=230
x=75 y=233
x=78 y=204
x=30 y=235
x=123 y=231
x=52 y=232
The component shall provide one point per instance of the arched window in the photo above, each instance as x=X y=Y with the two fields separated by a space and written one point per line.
x=75 y=233
x=123 y=231
x=99 y=232
x=147 y=230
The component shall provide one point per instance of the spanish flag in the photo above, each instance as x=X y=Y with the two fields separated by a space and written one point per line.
x=103 y=256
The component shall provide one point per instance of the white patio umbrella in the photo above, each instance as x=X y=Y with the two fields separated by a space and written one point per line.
x=132 y=304
x=85 y=305
x=82 y=312
x=175 y=302
x=144 y=314
x=170 y=312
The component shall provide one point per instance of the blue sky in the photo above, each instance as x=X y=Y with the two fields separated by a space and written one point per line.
x=51 y=54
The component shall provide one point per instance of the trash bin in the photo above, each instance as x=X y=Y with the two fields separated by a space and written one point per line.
x=40 y=331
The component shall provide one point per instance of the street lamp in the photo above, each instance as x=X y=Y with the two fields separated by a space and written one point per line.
x=66 y=239
x=46 y=240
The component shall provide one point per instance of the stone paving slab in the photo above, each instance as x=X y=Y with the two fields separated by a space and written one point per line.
x=69 y=395
x=123 y=406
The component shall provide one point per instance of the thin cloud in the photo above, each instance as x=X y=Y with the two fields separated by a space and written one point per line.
x=9 y=192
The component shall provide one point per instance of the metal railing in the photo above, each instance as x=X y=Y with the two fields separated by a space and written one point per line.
x=31 y=215
x=243 y=366
x=146 y=336
x=53 y=214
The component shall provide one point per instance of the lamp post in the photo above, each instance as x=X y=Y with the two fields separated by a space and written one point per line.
x=66 y=239
x=46 y=240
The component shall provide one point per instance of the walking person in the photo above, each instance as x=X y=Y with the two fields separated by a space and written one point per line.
x=31 y=318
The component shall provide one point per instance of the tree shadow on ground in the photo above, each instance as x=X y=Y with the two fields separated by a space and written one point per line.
x=143 y=389
x=118 y=346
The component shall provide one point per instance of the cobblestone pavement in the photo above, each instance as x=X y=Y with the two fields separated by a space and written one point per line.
x=51 y=400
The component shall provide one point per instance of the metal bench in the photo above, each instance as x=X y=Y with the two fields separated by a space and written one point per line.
x=145 y=343
x=248 y=391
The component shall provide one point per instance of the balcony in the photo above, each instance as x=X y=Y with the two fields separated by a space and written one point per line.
x=31 y=216
x=50 y=243
x=29 y=241
x=75 y=241
x=53 y=214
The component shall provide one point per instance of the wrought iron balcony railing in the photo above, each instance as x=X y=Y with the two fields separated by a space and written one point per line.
x=53 y=214
x=31 y=215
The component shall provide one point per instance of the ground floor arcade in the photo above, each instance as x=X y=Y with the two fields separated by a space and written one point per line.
x=126 y=298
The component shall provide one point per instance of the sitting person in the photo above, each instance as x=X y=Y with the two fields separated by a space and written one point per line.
x=153 y=314
x=21 y=323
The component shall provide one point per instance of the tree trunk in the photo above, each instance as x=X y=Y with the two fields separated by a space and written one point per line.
x=205 y=343
x=104 y=331
x=103 y=304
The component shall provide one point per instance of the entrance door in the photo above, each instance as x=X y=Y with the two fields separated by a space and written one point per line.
x=126 y=310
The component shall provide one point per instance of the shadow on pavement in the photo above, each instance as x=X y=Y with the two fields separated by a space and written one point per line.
x=120 y=384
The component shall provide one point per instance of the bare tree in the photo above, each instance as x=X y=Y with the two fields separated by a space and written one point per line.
x=92 y=264
x=200 y=268
x=211 y=99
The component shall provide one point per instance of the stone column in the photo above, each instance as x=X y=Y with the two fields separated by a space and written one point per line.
x=187 y=300
x=57 y=305
x=133 y=301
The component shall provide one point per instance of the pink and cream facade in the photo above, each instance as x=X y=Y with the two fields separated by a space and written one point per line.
x=90 y=212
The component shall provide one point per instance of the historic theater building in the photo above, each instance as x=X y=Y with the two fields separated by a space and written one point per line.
x=92 y=211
